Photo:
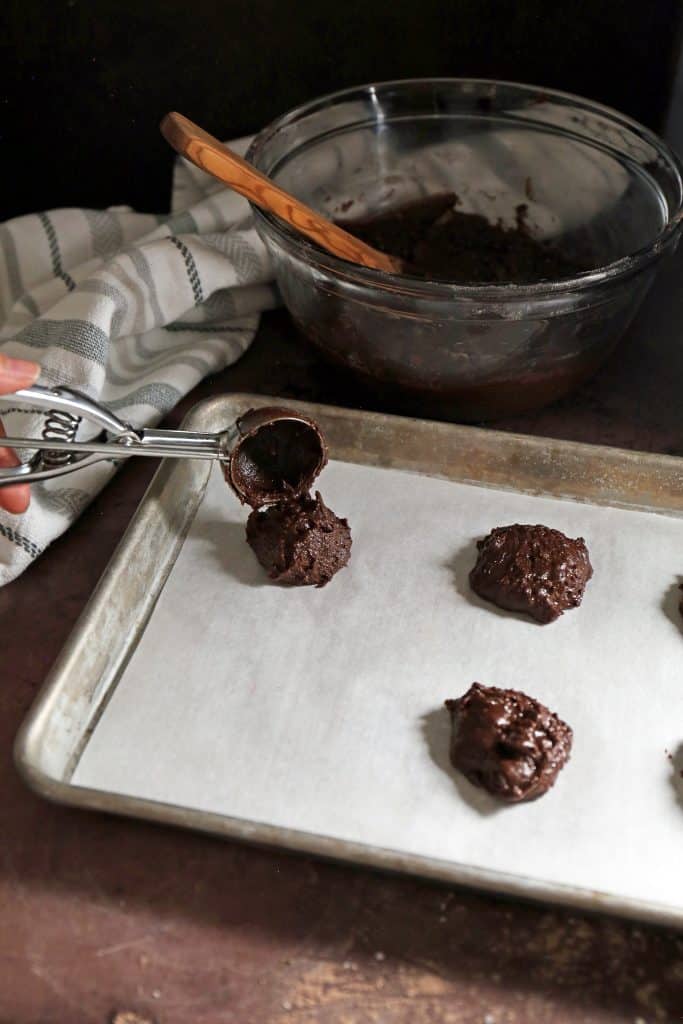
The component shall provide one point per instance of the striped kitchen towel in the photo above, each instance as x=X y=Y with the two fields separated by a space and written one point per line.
x=134 y=310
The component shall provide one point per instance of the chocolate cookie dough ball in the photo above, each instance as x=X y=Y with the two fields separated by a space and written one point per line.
x=300 y=541
x=531 y=569
x=507 y=743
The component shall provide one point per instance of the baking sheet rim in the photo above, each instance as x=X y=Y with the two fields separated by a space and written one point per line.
x=344 y=851
x=45 y=785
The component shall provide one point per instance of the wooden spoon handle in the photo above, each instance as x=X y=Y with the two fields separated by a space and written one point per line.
x=216 y=159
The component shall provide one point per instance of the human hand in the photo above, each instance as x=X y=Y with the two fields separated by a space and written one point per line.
x=14 y=374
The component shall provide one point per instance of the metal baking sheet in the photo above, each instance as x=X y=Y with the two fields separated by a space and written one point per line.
x=194 y=692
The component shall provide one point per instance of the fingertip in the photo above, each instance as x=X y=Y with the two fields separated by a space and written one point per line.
x=15 y=499
x=17 y=373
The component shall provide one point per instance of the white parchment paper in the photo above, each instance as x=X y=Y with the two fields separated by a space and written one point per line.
x=321 y=710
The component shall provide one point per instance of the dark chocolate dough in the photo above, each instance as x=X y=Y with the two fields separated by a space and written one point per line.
x=531 y=569
x=300 y=541
x=509 y=744
x=439 y=242
x=275 y=456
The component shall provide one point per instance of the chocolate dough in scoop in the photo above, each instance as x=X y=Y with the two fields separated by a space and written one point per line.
x=277 y=454
x=295 y=537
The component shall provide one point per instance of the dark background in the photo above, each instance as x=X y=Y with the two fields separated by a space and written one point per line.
x=84 y=84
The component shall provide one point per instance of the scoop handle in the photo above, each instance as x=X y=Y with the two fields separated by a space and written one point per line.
x=216 y=159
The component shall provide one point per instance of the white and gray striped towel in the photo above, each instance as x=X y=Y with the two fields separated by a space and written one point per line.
x=132 y=309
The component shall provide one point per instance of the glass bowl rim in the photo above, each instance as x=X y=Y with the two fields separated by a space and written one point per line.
x=625 y=266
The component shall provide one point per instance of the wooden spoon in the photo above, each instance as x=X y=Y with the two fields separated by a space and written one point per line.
x=216 y=159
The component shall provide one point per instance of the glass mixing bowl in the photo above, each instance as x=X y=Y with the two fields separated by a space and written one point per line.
x=601 y=187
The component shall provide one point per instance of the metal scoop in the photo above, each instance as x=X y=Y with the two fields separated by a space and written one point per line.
x=266 y=455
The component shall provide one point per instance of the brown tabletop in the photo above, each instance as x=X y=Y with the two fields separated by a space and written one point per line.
x=100 y=917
